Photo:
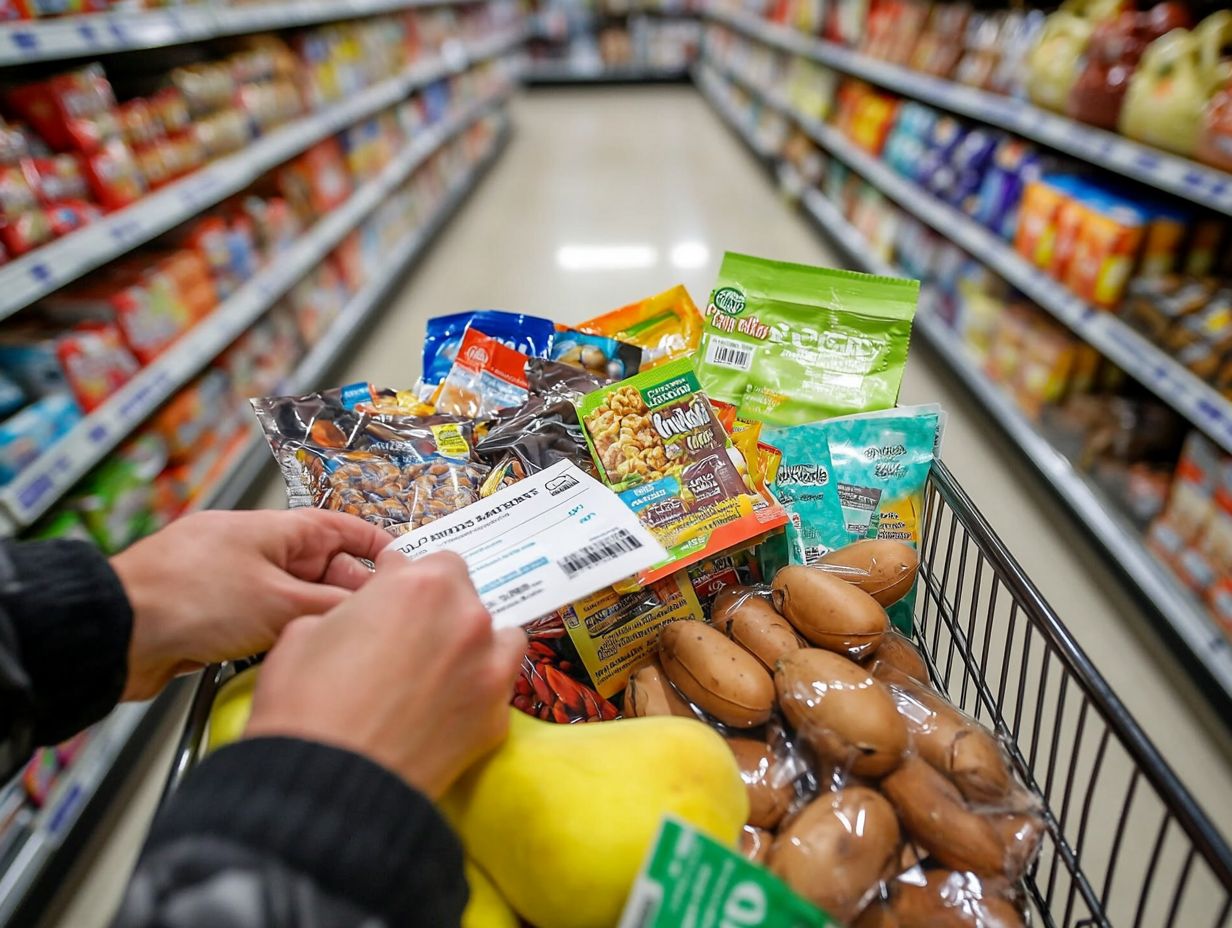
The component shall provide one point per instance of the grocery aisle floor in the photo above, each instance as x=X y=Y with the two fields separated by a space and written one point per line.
x=654 y=171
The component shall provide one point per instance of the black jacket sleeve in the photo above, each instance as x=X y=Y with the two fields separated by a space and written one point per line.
x=283 y=833
x=65 y=625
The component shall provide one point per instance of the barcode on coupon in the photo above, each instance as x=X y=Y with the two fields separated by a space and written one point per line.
x=604 y=548
x=727 y=352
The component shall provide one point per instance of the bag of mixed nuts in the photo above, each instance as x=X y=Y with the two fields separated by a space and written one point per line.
x=342 y=450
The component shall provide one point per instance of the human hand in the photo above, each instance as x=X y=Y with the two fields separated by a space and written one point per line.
x=221 y=585
x=407 y=672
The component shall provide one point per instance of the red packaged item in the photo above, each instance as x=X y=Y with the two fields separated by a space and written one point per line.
x=23 y=223
x=70 y=215
x=96 y=362
x=154 y=165
x=58 y=178
x=114 y=176
x=138 y=123
x=169 y=107
x=486 y=376
x=71 y=112
x=317 y=181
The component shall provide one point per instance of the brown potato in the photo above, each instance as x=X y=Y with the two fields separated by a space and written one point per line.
x=828 y=611
x=946 y=900
x=755 y=626
x=846 y=716
x=755 y=844
x=769 y=799
x=649 y=692
x=1022 y=834
x=896 y=652
x=821 y=857
x=935 y=815
x=953 y=742
x=884 y=569
x=727 y=599
x=716 y=674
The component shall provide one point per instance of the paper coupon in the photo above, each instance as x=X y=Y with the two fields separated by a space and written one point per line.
x=542 y=543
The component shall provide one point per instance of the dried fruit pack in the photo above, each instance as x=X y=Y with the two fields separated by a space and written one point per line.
x=658 y=443
x=342 y=450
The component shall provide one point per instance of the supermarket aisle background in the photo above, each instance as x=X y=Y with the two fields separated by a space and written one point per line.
x=654 y=172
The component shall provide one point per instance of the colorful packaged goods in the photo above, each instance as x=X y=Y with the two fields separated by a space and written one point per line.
x=666 y=326
x=784 y=354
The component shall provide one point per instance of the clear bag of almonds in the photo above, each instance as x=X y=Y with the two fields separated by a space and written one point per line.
x=870 y=793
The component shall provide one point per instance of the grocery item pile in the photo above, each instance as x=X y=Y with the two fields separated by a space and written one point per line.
x=733 y=593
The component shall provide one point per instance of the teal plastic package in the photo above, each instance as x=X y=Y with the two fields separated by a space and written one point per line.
x=804 y=483
x=880 y=466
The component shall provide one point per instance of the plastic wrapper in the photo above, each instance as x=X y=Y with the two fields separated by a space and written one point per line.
x=666 y=326
x=604 y=357
x=552 y=684
x=789 y=344
x=944 y=899
x=486 y=376
x=544 y=429
x=338 y=450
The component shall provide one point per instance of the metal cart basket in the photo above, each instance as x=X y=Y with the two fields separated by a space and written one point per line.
x=1127 y=845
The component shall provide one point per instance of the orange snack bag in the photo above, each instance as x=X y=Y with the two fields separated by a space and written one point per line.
x=666 y=326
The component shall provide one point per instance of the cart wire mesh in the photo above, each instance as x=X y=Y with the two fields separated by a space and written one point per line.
x=1127 y=845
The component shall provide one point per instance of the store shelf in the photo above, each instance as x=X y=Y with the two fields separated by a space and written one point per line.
x=251 y=454
x=575 y=73
x=69 y=797
x=1180 y=611
x=54 y=472
x=35 y=275
x=1194 y=399
x=1206 y=186
x=103 y=33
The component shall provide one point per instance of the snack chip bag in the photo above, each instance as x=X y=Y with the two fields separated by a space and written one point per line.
x=803 y=482
x=338 y=451
x=789 y=344
x=881 y=462
x=666 y=326
x=530 y=335
x=606 y=357
x=486 y=376
x=659 y=445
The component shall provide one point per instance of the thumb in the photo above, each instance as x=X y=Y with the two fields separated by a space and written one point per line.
x=508 y=648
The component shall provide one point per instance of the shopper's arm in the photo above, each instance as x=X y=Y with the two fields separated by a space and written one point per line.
x=359 y=719
x=286 y=833
x=65 y=624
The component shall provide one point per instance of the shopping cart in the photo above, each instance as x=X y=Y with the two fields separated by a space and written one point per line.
x=1127 y=845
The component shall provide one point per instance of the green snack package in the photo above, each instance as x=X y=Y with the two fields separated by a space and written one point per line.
x=803 y=481
x=690 y=879
x=789 y=344
x=881 y=462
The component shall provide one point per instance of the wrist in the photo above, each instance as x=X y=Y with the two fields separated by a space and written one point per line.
x=149 y=667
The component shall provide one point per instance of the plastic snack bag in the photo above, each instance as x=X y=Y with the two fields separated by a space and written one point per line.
x=880 y=464
x=666 y=326
x=337 y=451
x=543 y=430
x=486 y=376
x=606 y=357
x=658 y=444
x=803 y=481
x=530 y=335
x=789 y=344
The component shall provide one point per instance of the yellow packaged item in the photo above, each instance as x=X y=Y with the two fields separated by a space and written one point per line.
x=613 y=633
x=666 y=327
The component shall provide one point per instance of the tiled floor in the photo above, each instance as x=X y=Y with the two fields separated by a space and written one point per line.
x=649 y=180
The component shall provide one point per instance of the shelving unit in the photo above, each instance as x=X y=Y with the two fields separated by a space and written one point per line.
x=1204 y=185
x=105 y=33
x=568 y=73
x=46 y=479
x=1194 y=399
x=48 y=268
x=1182 y=617
x=251 y=456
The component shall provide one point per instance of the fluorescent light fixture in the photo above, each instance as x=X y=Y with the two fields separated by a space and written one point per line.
x=690 y=254
x=606 y=257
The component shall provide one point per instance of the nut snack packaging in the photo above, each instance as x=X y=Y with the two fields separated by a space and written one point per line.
x=666 y=326
x=787 y=343
x=657 y=442
x=342 y=450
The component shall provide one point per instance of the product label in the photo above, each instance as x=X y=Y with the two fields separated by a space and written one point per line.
x=692 y=880
x=548 y=540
